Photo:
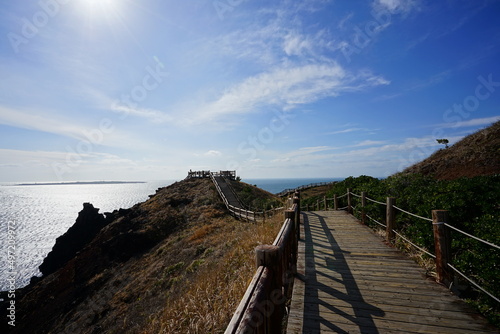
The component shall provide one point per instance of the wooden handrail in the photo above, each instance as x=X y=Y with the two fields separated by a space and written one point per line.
x=311 y=185
x=442 y=237
x=262 y=308
x=236 y=211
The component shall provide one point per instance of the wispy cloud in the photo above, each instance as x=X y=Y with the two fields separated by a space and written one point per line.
x=352 y=129
x=54 y=123
x=432 y=80
x=297 y=44
x=471 y=123
x=397 y=6
x=286 y=88
x=369 y=143
x=304 y=152
x=344 y=131
x=12 y=157
x=474 y=7
x=387 y=97
x=152 y=115
x=344 y=20
x=41 y=122
x=414 y=43
x=212 y=153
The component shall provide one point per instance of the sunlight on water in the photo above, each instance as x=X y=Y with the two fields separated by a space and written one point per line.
x=41 y=213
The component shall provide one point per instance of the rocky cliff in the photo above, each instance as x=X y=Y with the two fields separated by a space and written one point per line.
x=132 y=270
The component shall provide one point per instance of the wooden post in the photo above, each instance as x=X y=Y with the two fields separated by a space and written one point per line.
x=390 y=219
x=324 y=201
x=269 y=256
x=266 y=255
x=290 y=214
x=307 y=207
x=363 y=205
x=442 y=244
x=349 y=206
x=296 y=200
x=335 y=202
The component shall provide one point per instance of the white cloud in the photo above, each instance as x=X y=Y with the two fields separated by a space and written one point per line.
x=213 y=153
x=295 y=44
x=104 y=131
x=369 y=143
x=354 y=129
x=344 y=131
x=310 y=150
x=397 y=6
x=304 y=153
x=153 y=115
x=40 y=122
x=286 y=88
x=344 y=20
x=22 y=158
x=472 y=122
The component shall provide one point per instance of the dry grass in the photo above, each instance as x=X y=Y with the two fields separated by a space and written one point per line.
x=474 y=155
x=207 y=296
x=421 y=258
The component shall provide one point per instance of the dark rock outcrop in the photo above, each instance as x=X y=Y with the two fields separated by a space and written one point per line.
x=87 y=226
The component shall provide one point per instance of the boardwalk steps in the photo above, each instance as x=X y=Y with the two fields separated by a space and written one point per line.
x=228 y=192
x=350 y=281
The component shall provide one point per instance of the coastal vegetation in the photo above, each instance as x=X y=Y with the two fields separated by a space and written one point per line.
x=254 y=198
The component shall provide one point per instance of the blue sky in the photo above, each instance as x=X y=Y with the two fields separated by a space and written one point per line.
x=146 y=90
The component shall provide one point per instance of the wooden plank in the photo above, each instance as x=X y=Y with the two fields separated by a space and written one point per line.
x=398 y=299
x=350 y=281
x=415 y=316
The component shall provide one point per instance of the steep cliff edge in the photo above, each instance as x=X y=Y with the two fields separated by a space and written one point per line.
x=131 y=270
x=86 y=227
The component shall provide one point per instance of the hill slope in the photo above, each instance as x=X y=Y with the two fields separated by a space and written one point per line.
x=174 y=263
x=475 y=155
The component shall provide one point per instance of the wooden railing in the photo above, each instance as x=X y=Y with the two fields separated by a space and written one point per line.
x=240 y=212
x=205 y=174
x=441 y=228
x=311 y=185
x=262 y=308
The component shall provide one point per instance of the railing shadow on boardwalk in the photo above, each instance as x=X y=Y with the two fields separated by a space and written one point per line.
x=363 y=311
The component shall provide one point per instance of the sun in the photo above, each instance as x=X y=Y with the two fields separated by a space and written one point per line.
x=100 y=7
x=97 y=12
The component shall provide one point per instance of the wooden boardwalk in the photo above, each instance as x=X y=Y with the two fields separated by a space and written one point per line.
x=350 y=281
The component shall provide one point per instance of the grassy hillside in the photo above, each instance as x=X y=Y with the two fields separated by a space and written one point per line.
x=176 y=263
x=475 y=155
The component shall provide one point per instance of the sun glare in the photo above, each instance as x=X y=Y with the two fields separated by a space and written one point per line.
x=97 y=13
x=100 y=7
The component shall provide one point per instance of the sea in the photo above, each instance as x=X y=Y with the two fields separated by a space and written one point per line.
x=32 y=216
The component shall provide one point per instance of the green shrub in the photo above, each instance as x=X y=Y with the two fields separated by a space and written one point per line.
x=472 y=205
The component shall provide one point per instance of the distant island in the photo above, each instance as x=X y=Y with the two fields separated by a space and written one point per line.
x=77 y=183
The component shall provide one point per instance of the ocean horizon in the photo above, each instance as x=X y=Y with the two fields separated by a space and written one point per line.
x=277 y=185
